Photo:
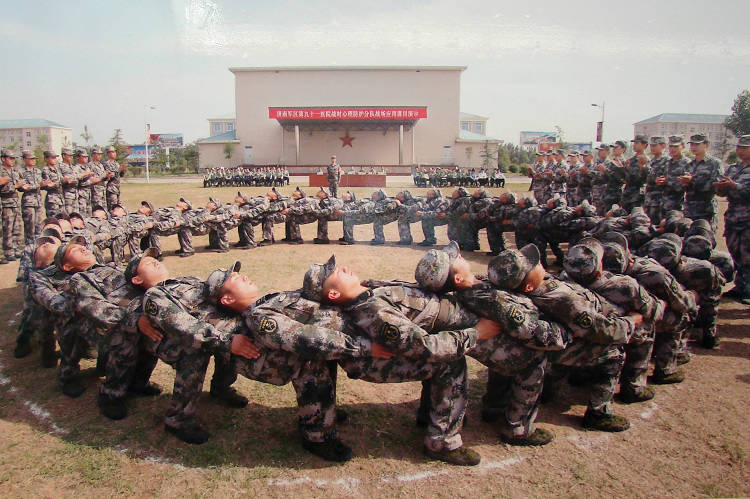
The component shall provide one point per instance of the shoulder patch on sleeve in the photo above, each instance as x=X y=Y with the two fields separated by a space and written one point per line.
x=151 y=308
x=268 y=325
x=388 y=332
x=551 y=286
x=516 y=315
x=584 y=320
x=674 y=286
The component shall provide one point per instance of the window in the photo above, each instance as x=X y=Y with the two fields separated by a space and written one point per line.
x=217 y=127
x=478 y=127
x=230 y=127
x=28 y=143
x=28 y=134
x=465 y=125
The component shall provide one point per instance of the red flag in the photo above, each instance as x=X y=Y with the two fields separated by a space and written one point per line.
x=599 y=130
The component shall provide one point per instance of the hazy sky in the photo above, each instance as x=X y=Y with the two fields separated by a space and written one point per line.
x=531 y=66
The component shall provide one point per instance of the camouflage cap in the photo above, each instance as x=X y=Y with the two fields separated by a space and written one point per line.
x=96 y=150
x=744 y=141
x=697 y=247
x=509 y=269
x=110 y=149
x=698 y=138
x=148 y=205
x=117 y=205
x=132 y=269
x=587 y=209
x=44 y=240
x=52 y=232
x=62 y=250
x=614 y=259
x=434 y=267
x=8 y=153
x=75 y=214
x=528 y=201
x=380 y=193
x=602 y=147
x=639 y=236
x=673 y=238
x=682 y=226
x=676 y=140
x=584 y=260
x=573 y=153
x=462 y=192
x=620 y=143
x=50 y=154
x=27 y=154
x=616 y=238
x=664 y=251
x=67 y=151
x=657 y=139
x=316 y=275
x=302 y=193
x=188 y=203
x=214 y=201
x=640 y=138
x=98 y=207
x=216 y=280
x=586 y=152
x=82 y=152
x=703 y=228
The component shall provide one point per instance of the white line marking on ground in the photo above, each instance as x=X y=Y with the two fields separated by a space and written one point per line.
x=650 y=410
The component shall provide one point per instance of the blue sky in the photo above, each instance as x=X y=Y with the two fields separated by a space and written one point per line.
x=531 y=66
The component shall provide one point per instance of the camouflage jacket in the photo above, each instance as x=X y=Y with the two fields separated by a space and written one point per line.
x=635 y=176
x=48 y=288
x=705 y=173
x=737 y=215
x=113 y=183
x=8 y=192
x=434 y=207
x=333 y=172
x=167 y=220
x=699 y=275
x=70 y=187
x=33 y=178
x=659 y=282
x=55 y=191
x=657 y=167
x=99 y=173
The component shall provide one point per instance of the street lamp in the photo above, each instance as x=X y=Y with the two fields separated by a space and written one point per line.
x=600 y=129
x=148 y=136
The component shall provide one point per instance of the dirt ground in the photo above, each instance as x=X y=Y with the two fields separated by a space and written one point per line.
x=690 y=441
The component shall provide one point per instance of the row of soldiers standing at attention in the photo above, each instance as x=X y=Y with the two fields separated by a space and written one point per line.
x=68 y=187
x=241 y=176
x=621 y=301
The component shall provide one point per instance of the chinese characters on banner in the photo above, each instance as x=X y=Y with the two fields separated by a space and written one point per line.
x=344 y=113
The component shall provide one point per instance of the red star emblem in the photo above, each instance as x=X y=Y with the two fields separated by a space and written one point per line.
x=346 y=140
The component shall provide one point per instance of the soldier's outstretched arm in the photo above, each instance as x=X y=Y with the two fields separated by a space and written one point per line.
x=92 y=305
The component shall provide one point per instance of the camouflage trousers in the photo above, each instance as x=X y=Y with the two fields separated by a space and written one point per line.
x=667 y=342
x=71 y=201
x=703 y=210
x=35 y=319
x=635 y=370
x=632 y=198
x=654 y=213
x=404 y=226
x=738 y=244
x=312 y=382
x=246 y=233
x=380 y=221
x=333 y=186
x=672 y=202
x=464 y=233
x=267 y=224
x=583 y=194
x=12 y=243
x=113 y=198
x=352 y=218
x=428 y=228
x=607 y=362
x=294 y=221
x=522 y=368
x=120 y=347
x=542 y=195
x=609 y=199
x=84 y=202
x=447 y=391
x=495 y=238
x=323 y=226
x=98 y=198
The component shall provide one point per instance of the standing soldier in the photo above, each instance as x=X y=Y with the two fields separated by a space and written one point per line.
x=54 y=204
x=615 y=176
x=434 y=212
x=31 y=199
x=558 y=186
x=657 y=168
x=702 y=172
x=99 y=186
x=334 y=177
x=598 y=175
x=114 y=172
x=536 y=172
x=584 y=178
x=736 y=187
x=83 y=174
x=674 y=191
x=69 y=181
x=10 y=180
x=635 y=176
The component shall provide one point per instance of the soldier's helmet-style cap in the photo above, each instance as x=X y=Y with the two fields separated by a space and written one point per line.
x=67 y=150
x=82 y=152
x=132 y=269
x=583 y=260
x=26 y=154
x=640 y=138
x=434 y=267
x=658 y=139
x=302 y=193
x=148 y=205
x=316 y=275
x=676 y=140
x=462 y=192
x=110 y=149
x=664 y=251
x=509 y=269
x=188 y=203
x=50 y=154
x=616 y=238
x=602 y=147
x=614 y=259
x=98 y=207
x=52 y=232
x=744 y=141
x=7 y=153
x=620 y=143
x=214 y=201
x=96 y=150
x=380 y=193
x=697 y=247
x=698 y=138
x=60 y=254
x=354 y=198
x=217 y=279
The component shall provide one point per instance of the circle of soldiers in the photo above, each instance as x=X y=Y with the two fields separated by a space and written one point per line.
x=266 y=176
x=630 y=289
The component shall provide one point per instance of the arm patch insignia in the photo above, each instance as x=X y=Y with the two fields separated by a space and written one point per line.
x=551 y=286
x=584 y=320
x=516 y=315
x=151 y=308
x=268 y=325
x=389 y=332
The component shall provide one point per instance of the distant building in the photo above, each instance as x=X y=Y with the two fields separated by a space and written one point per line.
x=33 y=133
x=218 y=126
x=685 y=125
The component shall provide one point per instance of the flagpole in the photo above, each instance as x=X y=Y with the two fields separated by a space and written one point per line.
x=148 y=138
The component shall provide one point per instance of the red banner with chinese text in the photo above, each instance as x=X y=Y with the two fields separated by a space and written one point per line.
x=347 y=113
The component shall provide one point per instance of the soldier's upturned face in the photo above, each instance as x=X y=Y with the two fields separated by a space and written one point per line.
x=76 y=223
x=271 y=195
x=100 y=214
x=145 y=210
x=463 y=277
x=65 y=225
x=347 y=196
x=118 y=211
x=534 y=278
x=78 y=258
x=239 y=292
x=151 y=272
x=521 y=203
x=430 y=194
x=238 y=201
x=44 y=254
x=297 y=195
x=344 y=281
x=182 y=206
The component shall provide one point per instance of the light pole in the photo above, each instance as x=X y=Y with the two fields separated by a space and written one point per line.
x=148 y=137
x=601 y=123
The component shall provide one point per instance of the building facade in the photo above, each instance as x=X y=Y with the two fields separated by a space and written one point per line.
x=387 y=116
x=722 y=139
x=33 y=133
x=219 y=126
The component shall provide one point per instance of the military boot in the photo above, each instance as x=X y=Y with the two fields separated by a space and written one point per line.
x=629 y=396
x=405 y=242
x=191 y=433
x=49 y=356
x=604 y=422
x=668 y=379
x=144 y=390
x=537 y=438
x=331 y=449
x=460 y=456
x=229 y=397
x=73 y=388
x=23 y=348
x=710 y=339
x=112 y=407
x=427 y=242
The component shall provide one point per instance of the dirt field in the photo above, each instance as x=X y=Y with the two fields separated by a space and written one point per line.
x=690 y=441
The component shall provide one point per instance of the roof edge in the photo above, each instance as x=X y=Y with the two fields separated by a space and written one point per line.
x=347 y=68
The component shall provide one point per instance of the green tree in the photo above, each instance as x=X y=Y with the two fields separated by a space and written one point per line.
x=86 y=136
x=228 y=150
x=118 y=143
x=42 y=140
x=503 y=158
x=739 y=121
x=489 y=157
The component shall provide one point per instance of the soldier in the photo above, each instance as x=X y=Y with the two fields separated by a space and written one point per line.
x=54 y=201
x=31 y=199
x=85 y=182
x=736 y=187
x=251 y=210
x=584 y=178
x=276 y=204
x=598 y=179
x=433 y=213
x=385 y=211
x=657 y=168
x=598 y=331
x=460 y=226
x=333 y=173
x=635 y=175
x=571 y=194
x=99 y=179
x=69 y=181
x=329 y=210
x=356 y=212
x=10 y=180
x=528 y=226
x=400 y=318
x=584 y=264
x=302 y=210
x=558 y=185
x=407 y=209
x=114 y=171
x=614 y=176
x=539 y=182
x=702 y=172
x=518 y=354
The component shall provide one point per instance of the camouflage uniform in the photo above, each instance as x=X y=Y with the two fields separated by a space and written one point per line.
x=54 y=203
x=700 y=201
x=615 y=179
x=12 y=242
x=137 y=229
x=528 y=229
x=31 y=203
x=635 y=178
x=272 y=216
x=599 y=186
x=406 y=216
x=558 y=186
x=584 y=180
x=167 y=221
x=333 y=174
x=501 y=218
x=432 y=208
x=328 y=206
x=112 y=189
x=385 y=211
x=673 y=197
x=360 y=212
x=541 y=186
x=305 y=210
x=462 y=229
x=737 y=225
x=654 y=193
x=98 y=190
x=69 y=189
x=252 y=212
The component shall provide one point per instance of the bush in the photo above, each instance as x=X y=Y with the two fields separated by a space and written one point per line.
x=513 y=168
